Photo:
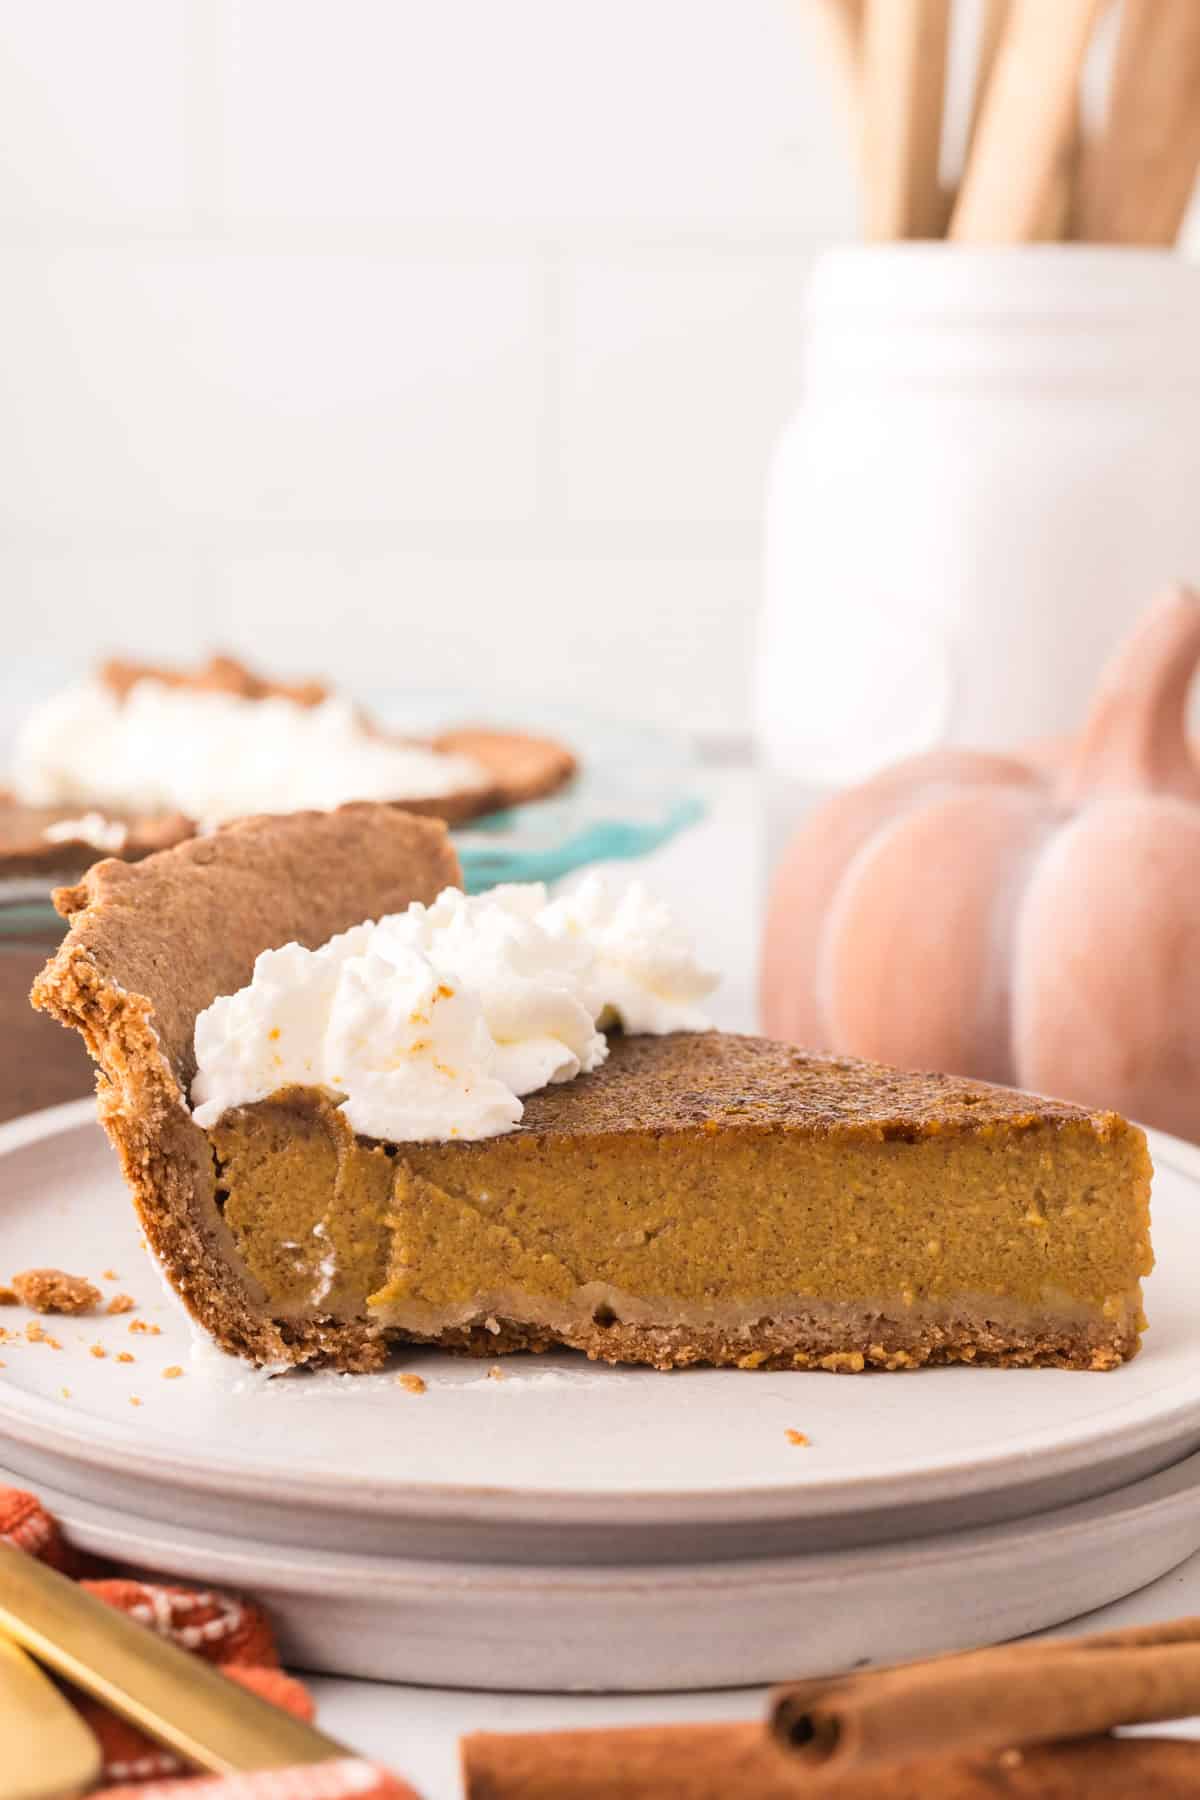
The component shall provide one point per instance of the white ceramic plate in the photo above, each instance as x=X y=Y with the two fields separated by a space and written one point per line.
x=560 y=1460
x=634 y=1629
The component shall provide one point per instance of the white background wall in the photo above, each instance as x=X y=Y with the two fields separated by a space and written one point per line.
x=419 y=342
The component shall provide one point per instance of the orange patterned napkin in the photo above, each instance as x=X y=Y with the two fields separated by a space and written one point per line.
x=222 y=1629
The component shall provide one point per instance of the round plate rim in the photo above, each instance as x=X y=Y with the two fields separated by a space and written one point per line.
x=36 y=1422
x=328 y=1570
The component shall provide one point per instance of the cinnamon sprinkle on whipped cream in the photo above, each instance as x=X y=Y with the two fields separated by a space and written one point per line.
x=430 y=1025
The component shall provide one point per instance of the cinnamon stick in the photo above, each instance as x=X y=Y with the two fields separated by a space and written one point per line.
x=687 y=1762
x=987 y=1702
x=792 y=1696
x=737 y=1762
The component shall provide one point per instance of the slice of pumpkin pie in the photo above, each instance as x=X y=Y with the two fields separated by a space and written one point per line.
x=355 y=1108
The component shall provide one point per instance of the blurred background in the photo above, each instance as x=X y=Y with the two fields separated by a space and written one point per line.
x=451 y=347
x=367 y=335
x=372 y=335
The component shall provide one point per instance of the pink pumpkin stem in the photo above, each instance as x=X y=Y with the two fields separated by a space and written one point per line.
x=1136 y=735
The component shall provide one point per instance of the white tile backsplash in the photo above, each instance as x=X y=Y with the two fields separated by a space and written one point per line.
x=650 y=636
x=689 y=364
x=216 y=384
x=451 y=338
x=98 y=116
x=62 y=604
x=555 y=113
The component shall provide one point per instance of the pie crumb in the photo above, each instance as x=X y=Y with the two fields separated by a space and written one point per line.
x=66 y=1393
x=125 y=1356
x=140 y=1326
x=7 y=1297
x=412 y=1384
x=53 y=1290
x=37 y=1334
x=169 y=1374
x=109 y=1275
x=496 y=1373
x=98 y=1350
x=134 y=1400
x=797 y=1437
x=121 y=1303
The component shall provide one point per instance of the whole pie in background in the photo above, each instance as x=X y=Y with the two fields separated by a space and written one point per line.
x=138 y=757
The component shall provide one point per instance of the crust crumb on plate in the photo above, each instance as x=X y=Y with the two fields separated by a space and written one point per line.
x=54 y=1291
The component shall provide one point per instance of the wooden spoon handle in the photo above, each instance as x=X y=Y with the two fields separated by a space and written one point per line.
x=1137 y=177
x=905 y=62
x=992 y=26
x=840 y=25
x=1027 y=127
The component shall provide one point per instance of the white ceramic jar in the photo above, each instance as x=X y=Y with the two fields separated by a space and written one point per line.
x=996 y=464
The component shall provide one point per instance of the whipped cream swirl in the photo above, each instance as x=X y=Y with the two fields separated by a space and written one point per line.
x=432 y=1024
x=645 y=976
x=217 y=756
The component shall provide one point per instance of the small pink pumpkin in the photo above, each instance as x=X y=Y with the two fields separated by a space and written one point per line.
x=1033 y=920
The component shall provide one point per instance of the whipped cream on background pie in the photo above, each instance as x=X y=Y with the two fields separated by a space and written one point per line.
x=215 y=756
x=138 y=757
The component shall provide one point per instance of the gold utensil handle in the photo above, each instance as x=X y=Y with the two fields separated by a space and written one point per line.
x=186 y=1704
x=46 y=1750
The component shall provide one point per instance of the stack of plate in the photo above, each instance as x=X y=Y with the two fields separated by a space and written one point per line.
x=542 y=1523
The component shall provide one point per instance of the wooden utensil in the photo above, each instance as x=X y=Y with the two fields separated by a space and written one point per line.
x=992 y=25
x=1136 y=179
x=180 y=1701
x=1027 y=127
x=840 y=24
x=904 y=48
x=46 y=1750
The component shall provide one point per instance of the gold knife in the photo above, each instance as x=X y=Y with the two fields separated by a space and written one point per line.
x=48 y=1751
x=209 y=1721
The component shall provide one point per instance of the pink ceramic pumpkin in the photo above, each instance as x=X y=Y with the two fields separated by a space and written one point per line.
x=1033 y=920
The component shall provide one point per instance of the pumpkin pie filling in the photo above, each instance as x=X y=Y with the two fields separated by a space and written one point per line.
x=697 y=1197
x=710 y=1197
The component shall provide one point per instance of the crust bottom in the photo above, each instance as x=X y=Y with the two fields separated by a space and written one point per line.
x=797 y=1344
x=875 y=1343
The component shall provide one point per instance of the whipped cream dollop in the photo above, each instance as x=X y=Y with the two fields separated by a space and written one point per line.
x=217 y=756
x=433 y=1023
x=91 y=828
x=645 y=976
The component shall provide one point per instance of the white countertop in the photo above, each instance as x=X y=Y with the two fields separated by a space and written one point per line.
x=714 y=876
